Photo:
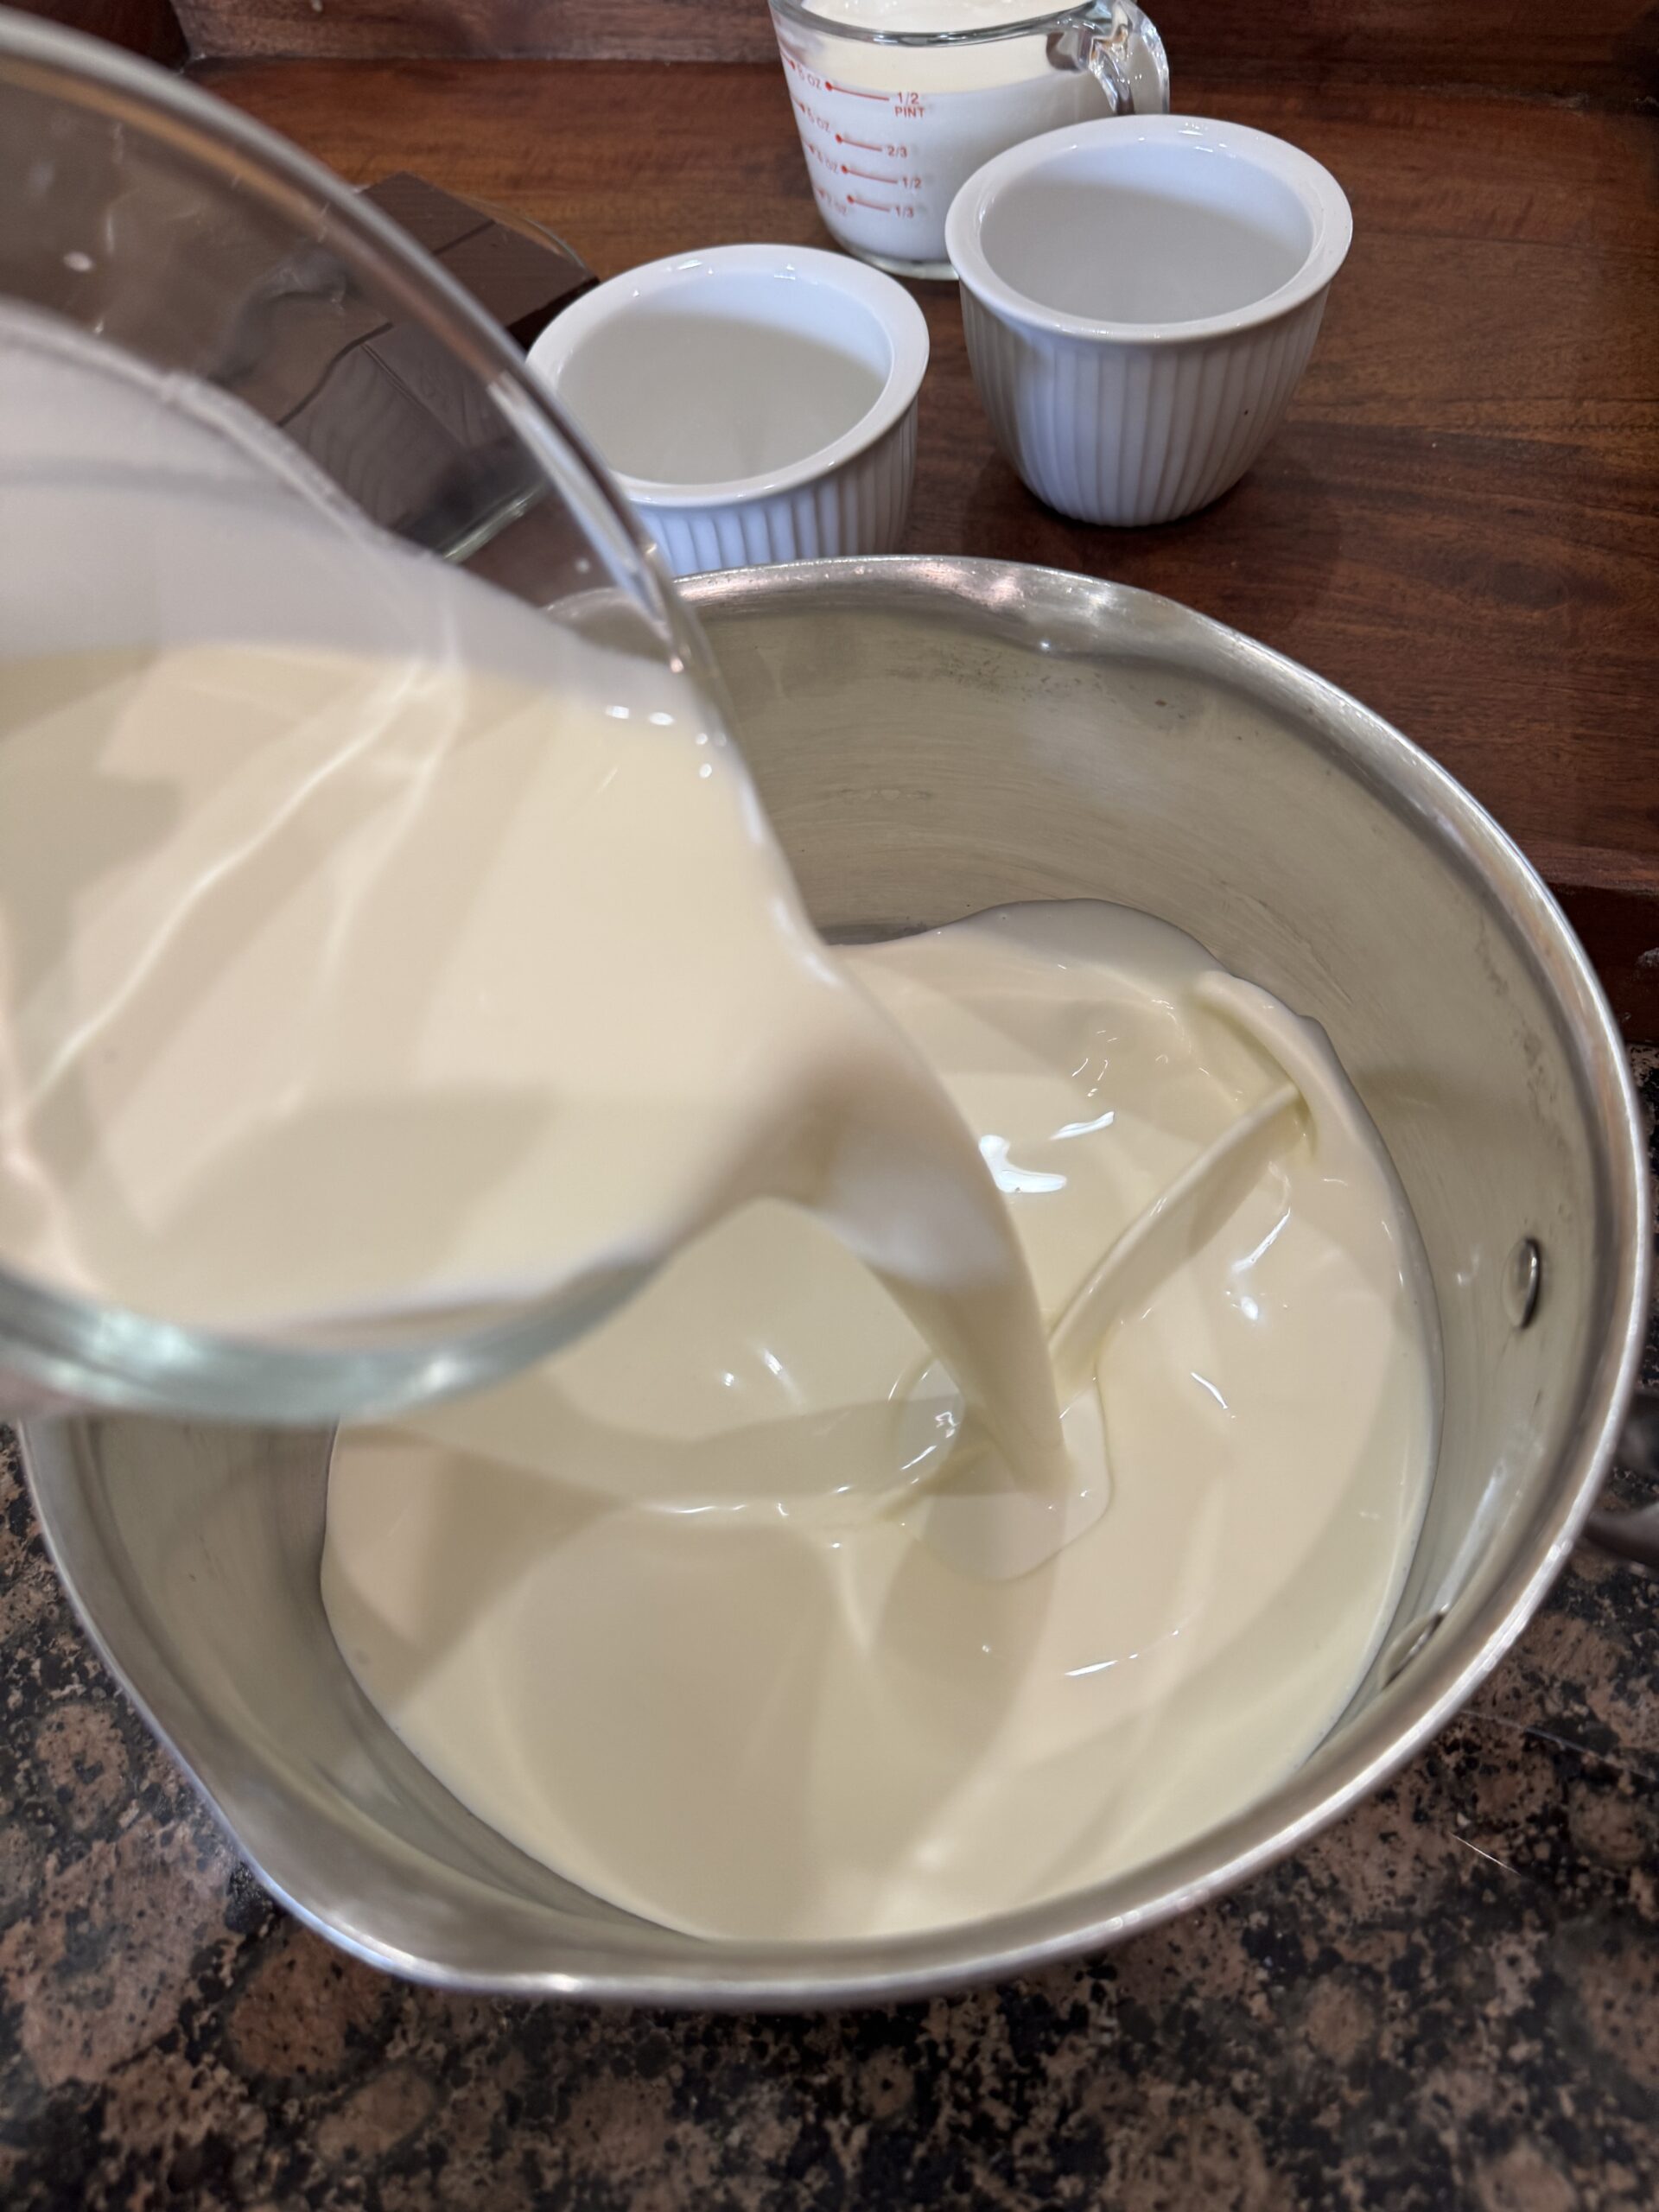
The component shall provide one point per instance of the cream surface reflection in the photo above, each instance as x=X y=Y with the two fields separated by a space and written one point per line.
x=657 y=1612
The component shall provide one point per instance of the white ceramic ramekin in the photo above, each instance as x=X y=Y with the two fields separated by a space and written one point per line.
x=755 y=402
x=1141 y=296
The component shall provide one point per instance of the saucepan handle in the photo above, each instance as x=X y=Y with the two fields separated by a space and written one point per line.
x=1636 y=1535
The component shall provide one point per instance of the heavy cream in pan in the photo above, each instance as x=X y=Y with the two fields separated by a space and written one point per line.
x=658 y=1613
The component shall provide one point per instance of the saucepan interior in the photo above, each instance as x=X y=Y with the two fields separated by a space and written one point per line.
x=932 y=738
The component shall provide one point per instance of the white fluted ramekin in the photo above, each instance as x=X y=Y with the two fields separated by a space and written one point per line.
x=1137 y=421
x=849 y=495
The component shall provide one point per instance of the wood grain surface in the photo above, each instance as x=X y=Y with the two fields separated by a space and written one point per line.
x=1601 y=50
x=1458 y=522
x=147 y=27
x=662 y=30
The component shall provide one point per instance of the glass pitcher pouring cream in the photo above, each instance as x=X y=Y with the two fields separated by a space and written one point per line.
x=289 y=536
x=897 y=102
x=396 y=966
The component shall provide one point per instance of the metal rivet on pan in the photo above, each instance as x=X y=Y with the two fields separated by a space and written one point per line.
x=1523 y=1278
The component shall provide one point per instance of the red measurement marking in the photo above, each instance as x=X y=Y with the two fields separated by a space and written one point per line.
x=852 y=93
x=868 y=176
x=880 y=206
x=862 y=144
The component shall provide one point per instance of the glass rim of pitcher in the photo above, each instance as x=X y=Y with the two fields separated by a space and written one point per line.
x=207 y=128
x=1082 y=12
x=62 y=1346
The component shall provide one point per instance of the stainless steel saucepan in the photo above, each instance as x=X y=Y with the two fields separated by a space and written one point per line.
x=932 y=737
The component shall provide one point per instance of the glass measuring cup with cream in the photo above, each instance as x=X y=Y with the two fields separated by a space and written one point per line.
x=897 y=102
x=266 y=476
x=392 y=976
x=395 y=965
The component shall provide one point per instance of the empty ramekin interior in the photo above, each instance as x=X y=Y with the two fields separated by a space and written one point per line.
x=730 y=376
x=1143 y=232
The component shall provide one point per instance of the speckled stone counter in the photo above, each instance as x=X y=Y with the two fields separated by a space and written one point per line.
x=1450 y=2000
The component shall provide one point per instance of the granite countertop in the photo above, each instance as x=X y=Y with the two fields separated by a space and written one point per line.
x=1450 y=2000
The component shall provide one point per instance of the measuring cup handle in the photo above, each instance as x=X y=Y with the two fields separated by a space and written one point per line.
x=1120 y=46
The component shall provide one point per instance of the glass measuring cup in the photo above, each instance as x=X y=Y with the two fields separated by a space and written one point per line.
x=895 y=116
x=240 y=409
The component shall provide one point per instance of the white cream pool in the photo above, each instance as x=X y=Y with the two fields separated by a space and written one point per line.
x=657 y=1613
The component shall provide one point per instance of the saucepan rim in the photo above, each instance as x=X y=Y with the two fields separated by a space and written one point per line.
x=1005 y=597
